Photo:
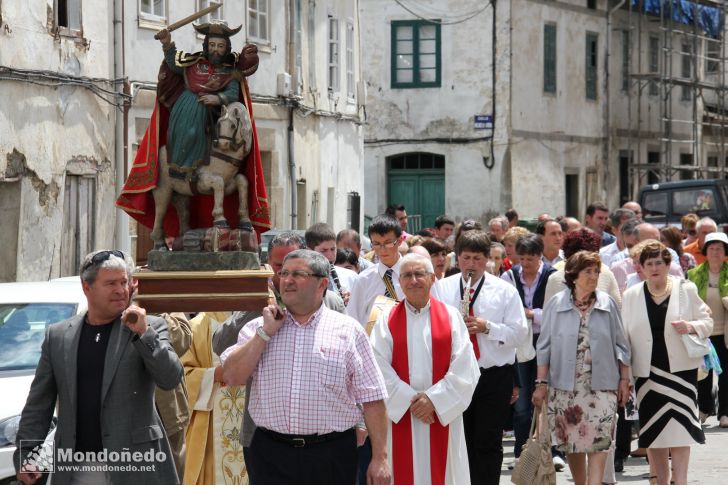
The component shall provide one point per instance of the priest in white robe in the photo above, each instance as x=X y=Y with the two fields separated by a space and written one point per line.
x=424 y=351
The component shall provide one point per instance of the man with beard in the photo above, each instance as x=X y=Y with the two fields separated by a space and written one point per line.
x=210 y=82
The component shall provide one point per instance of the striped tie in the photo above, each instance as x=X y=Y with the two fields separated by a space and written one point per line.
x=389 y=287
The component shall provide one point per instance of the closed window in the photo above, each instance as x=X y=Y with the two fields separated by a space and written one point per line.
x=712 y=56
x=258 y=20
x=216 y=15
x=625 y=60
x=333 y=54
x=153 y=9
x=549 y=58
x=591 y=65
x=415 y=54
x=654 y=63
x=686 y=70
x=350 y=82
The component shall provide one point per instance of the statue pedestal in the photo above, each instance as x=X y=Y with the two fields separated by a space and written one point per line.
x=201 y=291
x=202 y=261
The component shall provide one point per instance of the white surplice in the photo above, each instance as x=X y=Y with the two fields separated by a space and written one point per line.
x=450 y=396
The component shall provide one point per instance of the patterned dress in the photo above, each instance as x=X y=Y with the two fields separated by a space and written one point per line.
x=582 y=420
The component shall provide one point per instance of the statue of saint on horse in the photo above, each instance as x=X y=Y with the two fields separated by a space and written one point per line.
x=201 y=142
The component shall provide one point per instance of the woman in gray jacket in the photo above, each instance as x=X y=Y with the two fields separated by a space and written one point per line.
x=583 y=366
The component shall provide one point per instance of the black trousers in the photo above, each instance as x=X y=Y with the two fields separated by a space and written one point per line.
x=332 y=462
x=623 y=444
x=484 y=421
x=705 y=387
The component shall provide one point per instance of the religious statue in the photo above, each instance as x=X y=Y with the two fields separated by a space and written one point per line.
x=200 y=151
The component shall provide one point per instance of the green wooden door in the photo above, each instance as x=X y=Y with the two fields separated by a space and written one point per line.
x=420 y=191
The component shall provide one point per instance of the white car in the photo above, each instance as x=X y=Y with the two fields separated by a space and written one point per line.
x=26 y=309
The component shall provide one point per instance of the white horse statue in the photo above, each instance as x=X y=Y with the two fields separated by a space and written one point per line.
x=220 y=178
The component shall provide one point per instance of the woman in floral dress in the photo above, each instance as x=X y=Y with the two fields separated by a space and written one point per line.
x=583 y=366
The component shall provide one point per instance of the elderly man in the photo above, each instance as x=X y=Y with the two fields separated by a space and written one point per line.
x=101 y=368
x=634 y=207
x=497 y=325
x=423 y=349
x=310 y=367
x=497 y=228
x=705 y=226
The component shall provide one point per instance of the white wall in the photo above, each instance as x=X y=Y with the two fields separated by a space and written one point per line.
x=48 y=129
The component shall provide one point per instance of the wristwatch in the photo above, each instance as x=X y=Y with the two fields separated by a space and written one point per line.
x=487 y=328
x=261 y=333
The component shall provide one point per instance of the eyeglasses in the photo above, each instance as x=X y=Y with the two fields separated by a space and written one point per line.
x=418 y=275
x=100 y=257
x=298 y=275
x=384 y=245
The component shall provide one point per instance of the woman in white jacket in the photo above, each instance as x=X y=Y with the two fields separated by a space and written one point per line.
x=656 y=313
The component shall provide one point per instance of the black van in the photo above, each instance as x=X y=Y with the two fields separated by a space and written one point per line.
x=667 y=202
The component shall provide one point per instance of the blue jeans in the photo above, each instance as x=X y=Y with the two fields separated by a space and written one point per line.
x=523 y=409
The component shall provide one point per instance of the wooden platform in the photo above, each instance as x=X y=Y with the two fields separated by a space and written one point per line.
x=200 y=291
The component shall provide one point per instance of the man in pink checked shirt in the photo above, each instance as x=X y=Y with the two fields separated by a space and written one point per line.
x=310 y=367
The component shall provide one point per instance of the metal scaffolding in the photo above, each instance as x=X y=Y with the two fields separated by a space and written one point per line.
x=691 y=68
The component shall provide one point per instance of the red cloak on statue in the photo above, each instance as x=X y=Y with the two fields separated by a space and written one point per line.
x=136 y=196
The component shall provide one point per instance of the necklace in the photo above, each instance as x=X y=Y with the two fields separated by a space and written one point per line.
x=668 y=289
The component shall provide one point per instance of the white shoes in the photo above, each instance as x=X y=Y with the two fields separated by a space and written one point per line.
x=559 y=463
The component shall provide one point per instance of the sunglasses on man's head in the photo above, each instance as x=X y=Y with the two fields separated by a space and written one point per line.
x=100 y=257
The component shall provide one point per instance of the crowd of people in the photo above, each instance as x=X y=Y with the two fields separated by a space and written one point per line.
x=405 y=358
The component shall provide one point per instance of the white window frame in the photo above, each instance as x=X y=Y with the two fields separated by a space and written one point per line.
x=219 y=13
x=152 y=15
x=350 y=62
x=266 y=20
x=333 y=44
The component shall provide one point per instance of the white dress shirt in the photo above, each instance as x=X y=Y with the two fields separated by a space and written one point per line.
x=500 y=305
x=367 y=286
x=608 y=253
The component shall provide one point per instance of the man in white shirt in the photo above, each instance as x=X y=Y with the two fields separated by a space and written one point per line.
x=382 y=279
x=385 y=233
x=617 y=218
x=424 y=352
x=497 y=325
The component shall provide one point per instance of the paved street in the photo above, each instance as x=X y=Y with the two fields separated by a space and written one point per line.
x=707 y=463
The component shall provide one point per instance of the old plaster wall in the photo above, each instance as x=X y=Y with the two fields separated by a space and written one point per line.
x=46 y=129
x=428 y=113
x=555 y=134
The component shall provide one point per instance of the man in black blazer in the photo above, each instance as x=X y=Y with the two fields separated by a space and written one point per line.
x=102 y=368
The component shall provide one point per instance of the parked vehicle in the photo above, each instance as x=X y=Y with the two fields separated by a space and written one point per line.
x=665 y=203
x=26 y=310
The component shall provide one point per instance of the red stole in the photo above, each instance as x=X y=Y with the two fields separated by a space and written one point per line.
x=402 y=459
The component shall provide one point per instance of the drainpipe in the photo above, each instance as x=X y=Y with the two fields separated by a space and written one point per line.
x=293 y=19
x=121 y=233
x=604 y=178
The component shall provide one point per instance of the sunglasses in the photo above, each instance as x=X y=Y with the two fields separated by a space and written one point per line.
x=100 y=257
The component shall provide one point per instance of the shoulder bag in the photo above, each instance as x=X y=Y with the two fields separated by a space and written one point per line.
x=535 y=466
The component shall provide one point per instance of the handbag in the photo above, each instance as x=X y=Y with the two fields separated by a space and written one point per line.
x=535 y=466
x=694 y=344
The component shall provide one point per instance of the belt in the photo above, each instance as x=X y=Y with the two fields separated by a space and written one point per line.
x=299 y=441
